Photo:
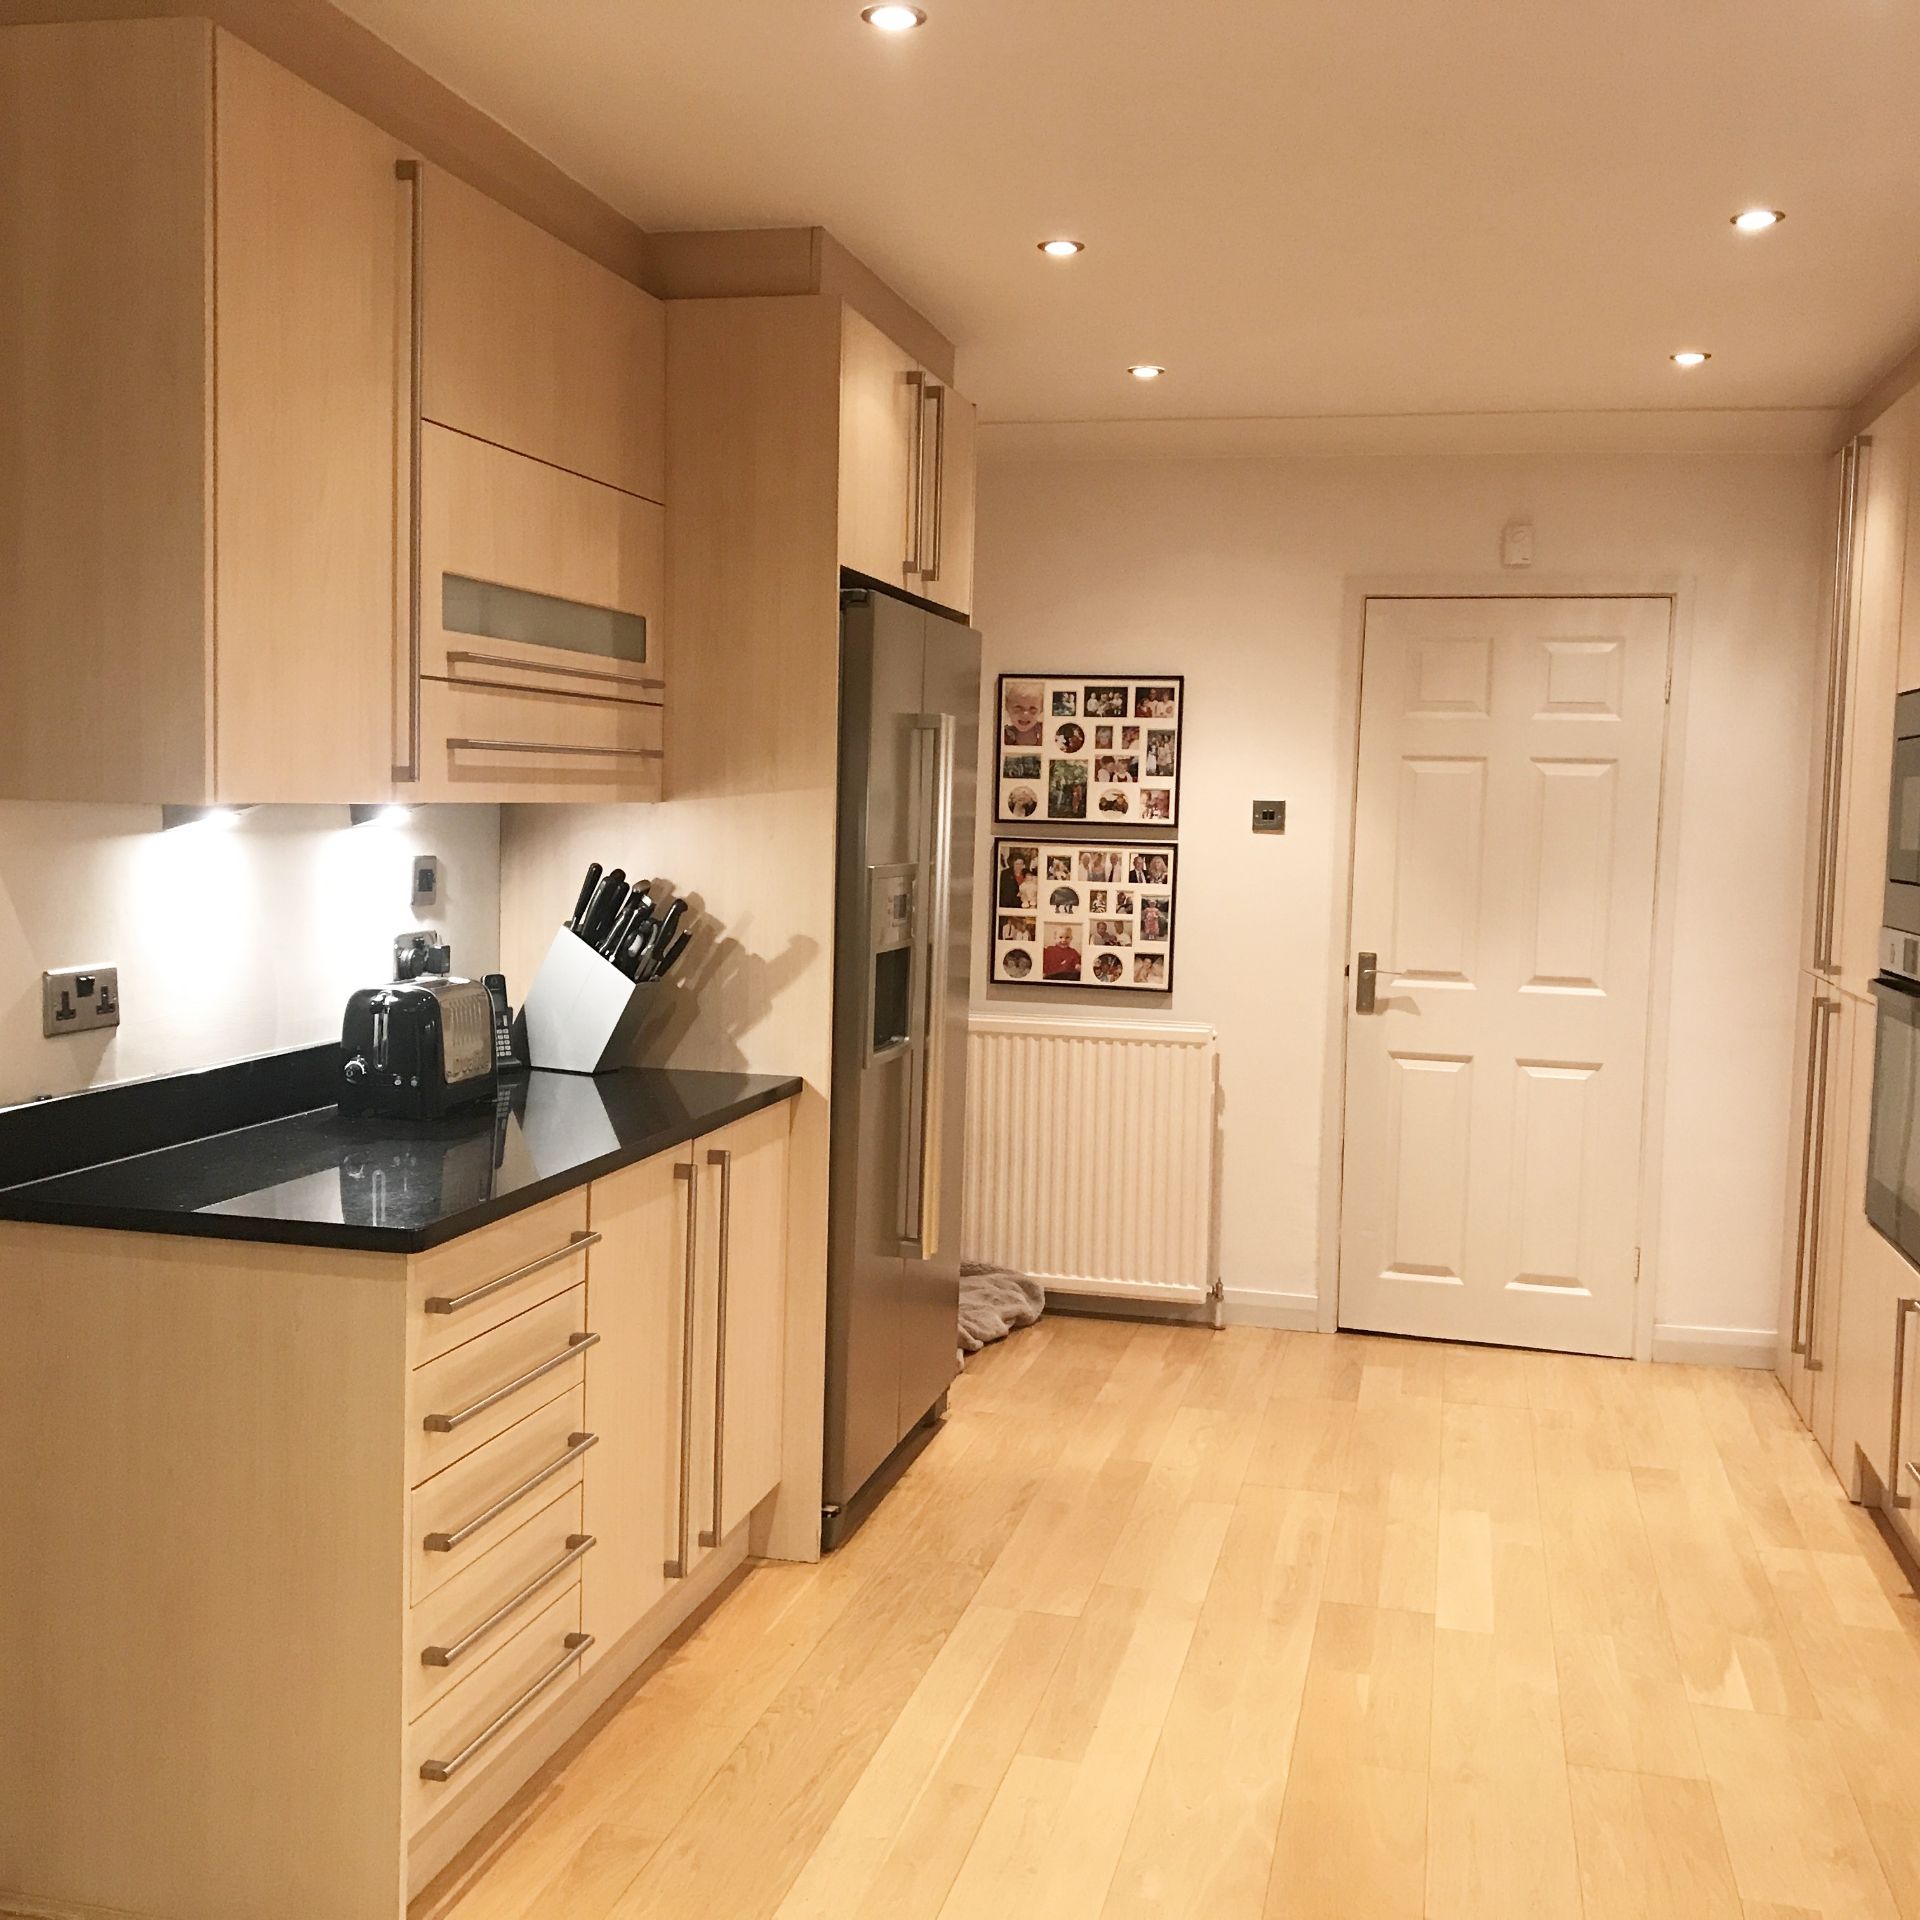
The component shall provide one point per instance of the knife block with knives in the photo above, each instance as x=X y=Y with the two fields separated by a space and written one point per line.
x=593 y=988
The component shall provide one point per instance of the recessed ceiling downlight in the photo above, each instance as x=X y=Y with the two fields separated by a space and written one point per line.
x=1145 y=370
x=893 y=19
x=1690 y=357
x=1758 y=219
x=1062 y=249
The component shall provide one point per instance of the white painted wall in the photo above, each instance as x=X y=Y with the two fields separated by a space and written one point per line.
x=229 y=943
x=1245 y=575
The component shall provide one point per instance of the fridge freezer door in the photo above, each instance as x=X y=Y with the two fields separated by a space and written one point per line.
x=874 y=1119
x=930 y=1279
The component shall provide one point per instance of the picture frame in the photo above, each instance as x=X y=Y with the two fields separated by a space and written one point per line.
x=1083 y=913
x=1088 y=750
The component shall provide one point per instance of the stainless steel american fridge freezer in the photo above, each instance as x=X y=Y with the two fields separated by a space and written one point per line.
x=909 y=728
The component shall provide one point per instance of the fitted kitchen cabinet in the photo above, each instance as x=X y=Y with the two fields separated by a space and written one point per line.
x=1818 y=1228
x=315 y=1555
x=907 y=461
x=203 y=309
x=539 y=569
x=530 y=345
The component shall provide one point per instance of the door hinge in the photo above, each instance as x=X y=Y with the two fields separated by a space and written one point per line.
x=1636 y=1266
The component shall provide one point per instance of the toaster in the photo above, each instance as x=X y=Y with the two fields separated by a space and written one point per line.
x=417 y=1049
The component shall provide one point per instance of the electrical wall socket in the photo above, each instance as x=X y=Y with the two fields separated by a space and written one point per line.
x=77 y=999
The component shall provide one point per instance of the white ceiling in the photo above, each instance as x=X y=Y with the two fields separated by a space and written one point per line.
x=1302 y=207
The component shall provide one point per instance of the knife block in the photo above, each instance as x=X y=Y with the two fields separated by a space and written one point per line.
x=581 y=1012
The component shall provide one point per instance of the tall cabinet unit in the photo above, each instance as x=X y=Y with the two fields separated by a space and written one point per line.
x=1843 y=1279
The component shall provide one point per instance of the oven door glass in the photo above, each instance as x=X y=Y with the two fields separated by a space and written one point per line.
x=1903 y=822
x=1893 y=1150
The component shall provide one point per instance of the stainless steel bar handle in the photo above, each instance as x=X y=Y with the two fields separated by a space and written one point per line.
x=1804 y=1232
x=938 y=394
x=916 y=493
x=1823 y=1016
x=454 y=1303
x=721 y=1158
x=576 y=1644
x=681 y=1565
x=579 y=1545
x=577 y=1343
x=410 y=171
x=540 y=666
x=1896 y=1466
x=577 y=1444
x=933 y=1092
x=923 y=784
x=554 y=746
x=1366 y=981
x=1840 y=654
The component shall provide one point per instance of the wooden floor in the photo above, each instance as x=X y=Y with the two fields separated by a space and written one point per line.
x=1170 y=1622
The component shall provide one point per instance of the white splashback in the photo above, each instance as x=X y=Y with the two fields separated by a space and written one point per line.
x=229 y=941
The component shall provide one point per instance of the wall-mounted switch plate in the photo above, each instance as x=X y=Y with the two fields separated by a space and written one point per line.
x=1269 y=816
x=77 y=999
x=426 y=882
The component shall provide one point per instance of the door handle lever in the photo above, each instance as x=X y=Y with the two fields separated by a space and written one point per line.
x=1366 y=976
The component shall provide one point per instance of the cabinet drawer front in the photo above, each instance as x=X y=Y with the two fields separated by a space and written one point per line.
x=493 y=744
x=453 y=1631
x=465 y=1512
x=535 y=576
x=454 y=1291
x=454 y=1732
x=474 y=1391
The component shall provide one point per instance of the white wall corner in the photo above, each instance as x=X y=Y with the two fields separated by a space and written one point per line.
x=1716 y=1346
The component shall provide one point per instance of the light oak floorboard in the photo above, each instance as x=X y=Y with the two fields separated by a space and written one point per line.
x=1170 y=1624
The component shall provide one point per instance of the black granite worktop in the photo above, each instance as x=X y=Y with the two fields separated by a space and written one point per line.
x=248 y=1152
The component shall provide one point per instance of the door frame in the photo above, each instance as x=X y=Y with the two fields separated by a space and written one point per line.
x=1678 y=593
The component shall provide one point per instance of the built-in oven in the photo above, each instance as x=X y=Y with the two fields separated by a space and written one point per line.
x=1893 y=1149
x=1902 y=914
x=1893 y=1153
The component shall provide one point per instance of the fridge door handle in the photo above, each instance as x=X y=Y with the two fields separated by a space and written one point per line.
x=933 y=937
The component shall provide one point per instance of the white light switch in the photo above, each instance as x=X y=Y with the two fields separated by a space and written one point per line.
x=1516 y=544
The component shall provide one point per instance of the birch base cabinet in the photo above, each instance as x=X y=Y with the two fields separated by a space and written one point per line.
x=313 y=1556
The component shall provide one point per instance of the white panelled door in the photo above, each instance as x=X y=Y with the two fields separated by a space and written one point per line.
x=1505 y=834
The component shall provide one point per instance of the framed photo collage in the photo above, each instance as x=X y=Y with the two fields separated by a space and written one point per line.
x=1090 y=752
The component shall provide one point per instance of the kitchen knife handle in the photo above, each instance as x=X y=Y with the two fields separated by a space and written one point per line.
x=673 y=953
x=410 y=172
x=587 y=886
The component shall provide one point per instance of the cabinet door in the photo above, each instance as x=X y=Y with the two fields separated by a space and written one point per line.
x=310 y=378
x=635 y=1303
x=537 y=578
x=880 y=418
x=533 y=346
x=1873 y=685
x=948 y=551
x=749 y=1240
x=1818 y=1167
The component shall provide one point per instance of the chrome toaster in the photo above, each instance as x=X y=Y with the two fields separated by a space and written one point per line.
x=416 y=1049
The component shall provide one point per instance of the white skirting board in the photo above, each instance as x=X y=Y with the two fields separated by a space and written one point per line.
x=1717 y=1346
x=1091 y=1154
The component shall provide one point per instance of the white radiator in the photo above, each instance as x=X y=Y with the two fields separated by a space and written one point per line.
x=1090 y=1153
